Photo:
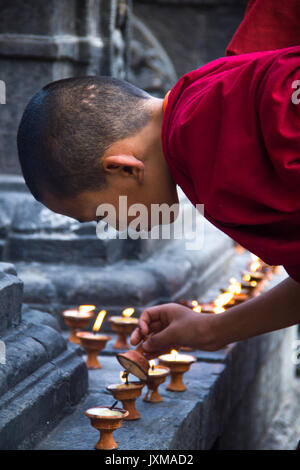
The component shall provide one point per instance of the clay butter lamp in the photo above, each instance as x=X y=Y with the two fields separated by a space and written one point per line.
x=156 y=376
x=254 y=276
x=123 y=326
x=240 y=298
x=93 y=343
x=127 y=393
x=178 y=364
x=250 y=286
x=134 y=362
x=106 y=420
x=78 y=319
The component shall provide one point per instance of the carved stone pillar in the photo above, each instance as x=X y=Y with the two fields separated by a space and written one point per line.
x=45 y=41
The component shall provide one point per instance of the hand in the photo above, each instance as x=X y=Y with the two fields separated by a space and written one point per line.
x=170 y=326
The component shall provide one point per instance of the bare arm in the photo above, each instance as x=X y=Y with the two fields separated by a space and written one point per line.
x=275 y=309
x=172 y=325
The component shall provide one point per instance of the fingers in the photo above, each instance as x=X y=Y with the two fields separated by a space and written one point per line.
x=149 y=322
x=163 y=340
x=136 y=337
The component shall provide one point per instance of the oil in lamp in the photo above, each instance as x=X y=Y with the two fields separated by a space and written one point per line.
x=178 y=365
x=127 y=393
x=78 y=319
x=93 y=343
x=106 y=420
x=123 y=326
x=156 y=376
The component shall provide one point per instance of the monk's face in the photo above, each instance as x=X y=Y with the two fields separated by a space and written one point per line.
x=121 y=195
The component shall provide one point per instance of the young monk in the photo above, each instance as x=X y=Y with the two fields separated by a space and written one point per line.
x=227 y=133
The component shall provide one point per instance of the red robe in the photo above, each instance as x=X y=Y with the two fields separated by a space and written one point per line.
x=231 y=138
x=267 y=25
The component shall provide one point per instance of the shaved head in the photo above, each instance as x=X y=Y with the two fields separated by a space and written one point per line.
x=69 y=124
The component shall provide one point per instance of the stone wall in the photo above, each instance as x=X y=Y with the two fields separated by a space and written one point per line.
x=46 y=41
x=41 y=375
x=202 y=27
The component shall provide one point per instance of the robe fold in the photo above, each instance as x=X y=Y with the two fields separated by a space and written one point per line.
x=231 y=138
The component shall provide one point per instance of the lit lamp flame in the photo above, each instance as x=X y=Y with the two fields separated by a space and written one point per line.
x=219 y=309
x=127 y=312
x=124 y=377
x=174 y=354
x=197 y=308
x=255 y=265
x=86 y=308
x=235 y=286
x=152 y=364
x=221 y=300
x=247 y=277
x=99 y=320
x=195 y=303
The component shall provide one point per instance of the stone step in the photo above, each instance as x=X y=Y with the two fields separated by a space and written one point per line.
x=41 y=378
x=222 y=406
x=11 y=291
x=169 y=275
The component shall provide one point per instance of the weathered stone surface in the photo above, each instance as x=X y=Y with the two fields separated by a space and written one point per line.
x=194 y=419
x=8 y=268
x=57 y=40
x=261 y=398
x=41 y=379
x=160 y=425
x=283 y=434
x=28 y=347
x=203 y=28
x=11 y=290
x=39 y=317
x=173 y=273
x=228 y=404
x=41 y=376
x=37 y=403
x=38 y=234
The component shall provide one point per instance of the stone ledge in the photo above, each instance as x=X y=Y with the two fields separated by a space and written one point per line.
x=169 y=275
x=35 y=405
x=11 y=290
x=160 y=423
x=50 y=48
x=42 y=378
x=191 y=420
x=225 y=393
x=28 y=347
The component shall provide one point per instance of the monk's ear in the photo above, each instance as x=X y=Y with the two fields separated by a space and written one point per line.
x=124 y=165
